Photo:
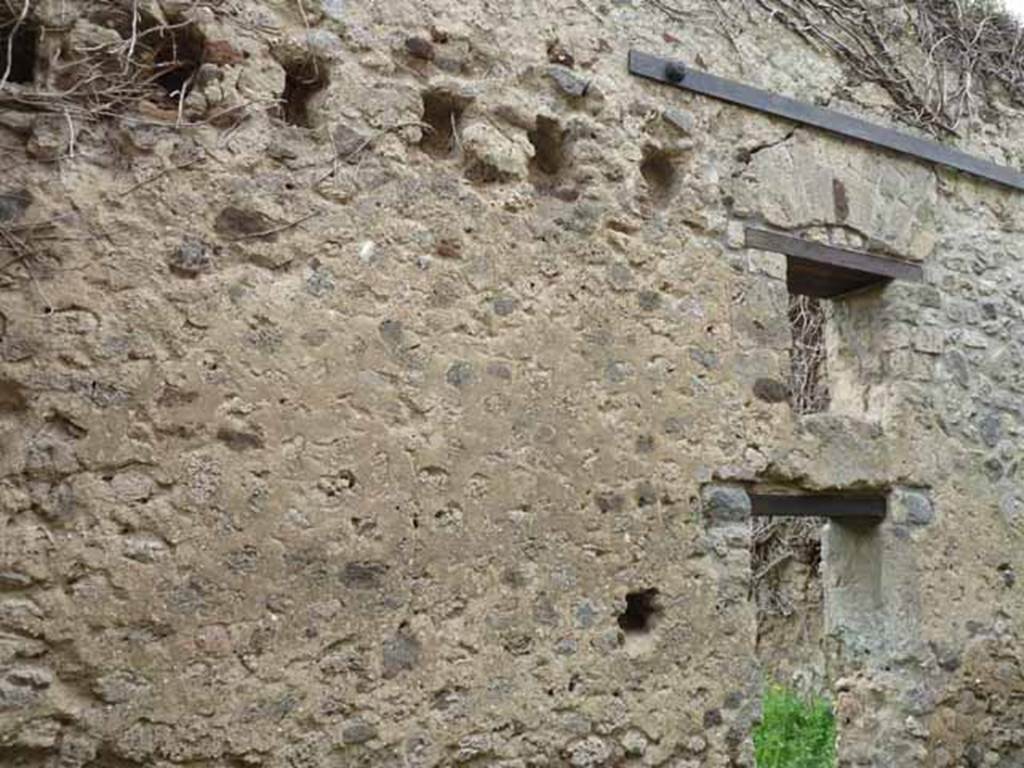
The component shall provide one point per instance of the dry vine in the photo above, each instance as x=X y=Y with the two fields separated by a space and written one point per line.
x=777 y=542
x=148 y=60
x=808 y=384
x=939 y=60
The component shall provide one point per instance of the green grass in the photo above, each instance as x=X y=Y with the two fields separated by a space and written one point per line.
x=794 y=732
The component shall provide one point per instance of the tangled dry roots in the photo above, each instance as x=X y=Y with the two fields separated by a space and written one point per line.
x=106 y=67
x=775 y=543
x=779 y=541
x=943 y=62
x=808 y=384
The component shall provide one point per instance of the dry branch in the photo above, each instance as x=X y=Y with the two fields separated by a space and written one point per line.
x=777 y=542
x=808 y=382
x=958 y=57
x=274 y=230
x=111 y=78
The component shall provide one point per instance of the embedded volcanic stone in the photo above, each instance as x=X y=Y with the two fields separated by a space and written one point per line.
x=681 y=121
x=347 y=141
x=400 y=653
x=459 y=374
x=771 y=390
x=221 y=52
x=14 y=203
x=568 y=81
x=191 y=258
x=917 y=507
x=12 y=396
x=358 y=731
x=364 y=575
x=420 y=48
x=725 y=503
x=237 y=222
x=590 y=752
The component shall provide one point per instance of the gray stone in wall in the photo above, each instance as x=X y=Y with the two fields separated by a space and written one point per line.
x=358 y=731
x=459 y=373
x=911 y=507
x=568 y=81
x=21 y=687
x=725 y=503
x=681 y=121
x=991 y=429
x=14 y=203
x=1011 y=507
x=589 y=752
x=400 y=653
x=334 y=9
x=771 y=390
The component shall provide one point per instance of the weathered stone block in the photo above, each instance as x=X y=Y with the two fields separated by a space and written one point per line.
x=809 y=180
x=493 y=156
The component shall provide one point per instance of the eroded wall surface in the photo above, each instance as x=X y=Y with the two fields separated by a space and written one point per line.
x=341 y=441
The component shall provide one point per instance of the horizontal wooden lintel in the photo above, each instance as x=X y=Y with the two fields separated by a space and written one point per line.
x=832 y=507
x=827 y=271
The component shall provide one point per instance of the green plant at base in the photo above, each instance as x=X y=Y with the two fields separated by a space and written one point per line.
x=794 y=732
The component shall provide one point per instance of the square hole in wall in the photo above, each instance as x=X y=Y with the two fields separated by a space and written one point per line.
x=19 y=39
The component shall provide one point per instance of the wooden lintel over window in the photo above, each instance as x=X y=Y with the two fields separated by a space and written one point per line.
x=827 y=271
x=851 y=508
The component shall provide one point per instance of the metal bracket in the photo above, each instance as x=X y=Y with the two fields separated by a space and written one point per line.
x=678 y=74
x=826 y=271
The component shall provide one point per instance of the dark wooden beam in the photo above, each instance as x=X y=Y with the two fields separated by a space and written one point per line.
x=832 y=507
x=827 y=271
x=678 y=74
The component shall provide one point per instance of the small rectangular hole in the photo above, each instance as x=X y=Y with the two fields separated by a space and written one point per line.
x=18 y=47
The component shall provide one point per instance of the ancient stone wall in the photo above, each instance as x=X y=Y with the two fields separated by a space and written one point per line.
x=382 y=384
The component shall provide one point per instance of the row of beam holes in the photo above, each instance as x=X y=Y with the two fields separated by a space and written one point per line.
x=179 y=56
x=179 y=52
x=442 y=116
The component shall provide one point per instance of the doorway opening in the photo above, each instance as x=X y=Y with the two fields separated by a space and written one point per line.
x=800 y=564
